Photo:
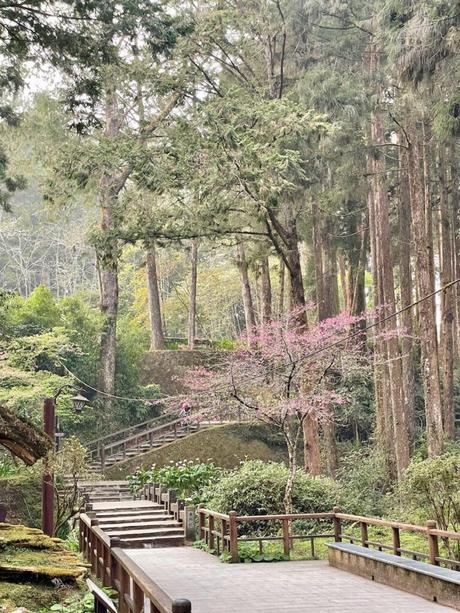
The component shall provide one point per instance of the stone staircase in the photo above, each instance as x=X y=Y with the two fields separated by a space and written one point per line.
x=129 y=443
x=131 y=523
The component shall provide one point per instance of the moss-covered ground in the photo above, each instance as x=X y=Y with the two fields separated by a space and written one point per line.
x=35 y=571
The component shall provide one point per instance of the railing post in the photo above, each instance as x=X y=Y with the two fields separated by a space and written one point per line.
x=102 y=456
x=286 y=537
x=211 y=531
x=337 y=525
x=396 y=541
x=125 y=584
x=433 y=543
x=181 y=605
x=114 y=567
x=93 y=548
x=172 y=498
x=189 y=522
x=364 y=534
x=201 y=523
x=138 y=598
x=233 y=534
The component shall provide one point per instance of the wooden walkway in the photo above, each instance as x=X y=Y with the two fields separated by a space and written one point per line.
x=293 y=587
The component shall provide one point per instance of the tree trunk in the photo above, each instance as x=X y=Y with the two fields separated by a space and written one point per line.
x=405 y=276
x=311 y=445
x=424 y=280
x=332 y=460
x=291 y=240
x=455 y=206
x=107 y=257
x=24 y=440
x=265 y=291
x=281 y=277
x=192 y=305
x=248 y=304
x=400 y=432
x=319 y=264
x=157 y=341
x=447 y=297
x=108 y=275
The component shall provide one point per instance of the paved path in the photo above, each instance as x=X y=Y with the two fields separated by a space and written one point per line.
x=293 y=587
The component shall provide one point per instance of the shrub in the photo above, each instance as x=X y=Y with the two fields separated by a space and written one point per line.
x=430 y=489
x=187 y=477
x=364 y=482
x=257 y=488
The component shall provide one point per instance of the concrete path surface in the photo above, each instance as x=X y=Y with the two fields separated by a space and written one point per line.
x=294 y=587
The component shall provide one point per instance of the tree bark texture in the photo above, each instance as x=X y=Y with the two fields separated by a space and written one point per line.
x=21 y=438
x=248 y=304
x=193 y=290
x=447 y=302
x=427 y=320
x=157 y=339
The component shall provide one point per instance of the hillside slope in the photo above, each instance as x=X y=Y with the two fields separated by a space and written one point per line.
x=225 y=445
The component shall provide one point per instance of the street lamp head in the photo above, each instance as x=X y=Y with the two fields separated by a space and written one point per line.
x=79 y=402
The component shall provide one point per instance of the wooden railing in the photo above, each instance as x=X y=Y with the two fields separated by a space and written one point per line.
x=115 y=569
x=220 y=533
x=430 y=534
x=149 y=434
x=94 y=445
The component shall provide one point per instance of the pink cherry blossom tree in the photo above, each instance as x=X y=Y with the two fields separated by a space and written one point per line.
x=286 y=376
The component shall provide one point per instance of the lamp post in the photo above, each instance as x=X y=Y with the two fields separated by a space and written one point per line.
x=50 y=427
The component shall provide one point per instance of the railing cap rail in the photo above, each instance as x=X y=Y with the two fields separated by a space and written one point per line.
x=143 y=433
x=152 y=591
x=215 y=514
x=388 y=523
x=94 y=442
x=280 y=517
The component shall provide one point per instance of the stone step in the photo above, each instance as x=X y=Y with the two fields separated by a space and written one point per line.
x=137 y=519
x=141 y=533
x=165 y=522
x=146 y=507
x=152 y=542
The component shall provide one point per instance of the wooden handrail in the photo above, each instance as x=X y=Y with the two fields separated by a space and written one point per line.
x=116 y=569
x=95 y=442
x=226 y=537
x=290 y=516
x=387 y=523
x=133 y=437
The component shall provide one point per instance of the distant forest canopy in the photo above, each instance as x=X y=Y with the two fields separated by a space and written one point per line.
x=198 y=169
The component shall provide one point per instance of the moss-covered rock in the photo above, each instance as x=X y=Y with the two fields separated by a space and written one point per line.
x=21 y=494
x=33 y=564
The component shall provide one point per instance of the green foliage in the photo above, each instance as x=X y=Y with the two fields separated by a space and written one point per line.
x=249 y=552
x=257 y=488
x=364 y=481
x=80 y=603
x=187 y=477
x=430 y=489
x=38 y=313
x=7 y=467
x=446 y=122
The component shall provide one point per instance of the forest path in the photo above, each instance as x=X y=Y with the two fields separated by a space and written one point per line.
x=294 y=587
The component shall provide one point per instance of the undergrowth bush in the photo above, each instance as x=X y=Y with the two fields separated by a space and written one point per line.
x=364 y=482
x=257 y=488
x=187 y=477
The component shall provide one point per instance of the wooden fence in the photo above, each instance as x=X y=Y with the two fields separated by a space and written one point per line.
x=137 y=592
x=220 y=533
